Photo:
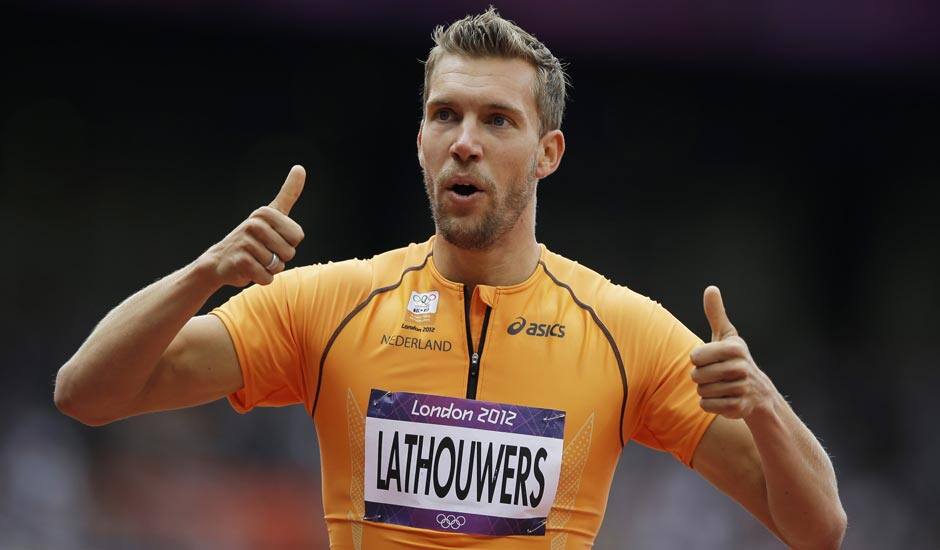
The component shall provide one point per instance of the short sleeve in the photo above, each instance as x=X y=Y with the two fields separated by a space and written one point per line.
x=666 y=408
x=262 y=323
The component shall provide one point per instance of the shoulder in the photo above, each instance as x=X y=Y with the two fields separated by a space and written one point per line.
x=646 y=334
x=359 y=277
x=614 y=305
x=389 y=267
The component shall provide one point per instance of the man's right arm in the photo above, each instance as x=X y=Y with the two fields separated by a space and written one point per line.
x=150 y=353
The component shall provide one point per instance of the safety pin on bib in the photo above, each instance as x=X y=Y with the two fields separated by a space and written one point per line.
x=381 y=397
x=537 y=527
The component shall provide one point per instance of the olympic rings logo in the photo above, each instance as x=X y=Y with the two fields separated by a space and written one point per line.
x=423 y=299
x=450 y=521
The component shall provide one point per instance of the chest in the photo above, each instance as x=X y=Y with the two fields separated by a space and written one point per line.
x=524 y=360
x=537 y=349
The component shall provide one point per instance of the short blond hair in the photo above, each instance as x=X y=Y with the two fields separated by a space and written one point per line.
x=489 y=35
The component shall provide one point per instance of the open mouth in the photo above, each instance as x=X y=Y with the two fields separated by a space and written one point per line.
x=464 y=189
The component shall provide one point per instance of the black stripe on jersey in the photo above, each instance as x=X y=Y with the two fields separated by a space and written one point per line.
x=610 y=339
x=349 y=317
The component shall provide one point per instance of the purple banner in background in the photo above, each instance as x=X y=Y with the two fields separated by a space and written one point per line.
x=897 y=32
x=466 y=413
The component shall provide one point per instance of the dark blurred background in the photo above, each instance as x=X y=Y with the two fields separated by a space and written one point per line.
x=787 y=151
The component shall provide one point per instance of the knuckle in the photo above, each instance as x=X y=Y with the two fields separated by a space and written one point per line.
x=730 y=371
x=293 y=235
x=243 y=262
x=261 y=276
x=289 y=254
x=254 y=226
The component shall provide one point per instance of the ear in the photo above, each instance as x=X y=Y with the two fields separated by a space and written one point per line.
x=551 y=149
x=420 y=152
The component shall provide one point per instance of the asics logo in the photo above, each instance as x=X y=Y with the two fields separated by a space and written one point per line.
x=450 y=521
x=536 y=329
x=516 y=327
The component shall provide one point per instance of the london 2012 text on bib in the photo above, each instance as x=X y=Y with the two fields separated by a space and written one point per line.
x=460 y=465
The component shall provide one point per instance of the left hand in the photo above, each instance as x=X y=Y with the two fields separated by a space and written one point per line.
x=728 y=380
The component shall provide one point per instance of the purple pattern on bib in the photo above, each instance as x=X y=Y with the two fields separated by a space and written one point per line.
x=453 y=522
x=466 y=413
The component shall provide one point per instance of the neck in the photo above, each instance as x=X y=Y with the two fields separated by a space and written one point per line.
x=508 y=261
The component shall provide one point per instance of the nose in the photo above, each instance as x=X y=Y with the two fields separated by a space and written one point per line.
x=466 y=147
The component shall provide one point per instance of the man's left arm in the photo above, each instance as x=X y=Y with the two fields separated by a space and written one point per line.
x=758 y=451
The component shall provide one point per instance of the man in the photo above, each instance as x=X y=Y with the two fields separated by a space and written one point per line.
x=474 y=390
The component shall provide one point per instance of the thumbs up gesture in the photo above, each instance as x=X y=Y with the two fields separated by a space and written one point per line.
x=257 y=249
x=729 y=382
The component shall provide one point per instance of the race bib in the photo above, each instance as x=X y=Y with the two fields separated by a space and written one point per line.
x=460 y=465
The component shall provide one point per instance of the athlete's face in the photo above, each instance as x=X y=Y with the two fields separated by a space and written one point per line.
x=479 y=147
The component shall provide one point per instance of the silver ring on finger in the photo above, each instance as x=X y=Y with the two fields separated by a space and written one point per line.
x=273 y=263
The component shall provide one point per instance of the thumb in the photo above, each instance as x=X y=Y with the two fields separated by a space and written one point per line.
x=717 y=318
x=290 y=191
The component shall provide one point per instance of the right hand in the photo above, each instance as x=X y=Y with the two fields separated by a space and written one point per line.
x=242 y=256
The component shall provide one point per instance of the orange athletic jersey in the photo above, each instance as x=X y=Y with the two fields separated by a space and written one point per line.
x=616 y=363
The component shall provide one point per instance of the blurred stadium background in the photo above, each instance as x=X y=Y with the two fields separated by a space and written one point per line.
x=787 y=151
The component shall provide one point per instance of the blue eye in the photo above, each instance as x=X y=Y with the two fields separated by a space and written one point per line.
x=500 y=120
x=444 y=115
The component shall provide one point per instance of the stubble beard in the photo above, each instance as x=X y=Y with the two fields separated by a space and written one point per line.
x=480 y=231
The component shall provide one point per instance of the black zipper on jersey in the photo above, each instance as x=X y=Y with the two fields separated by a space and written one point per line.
x=473 y=377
